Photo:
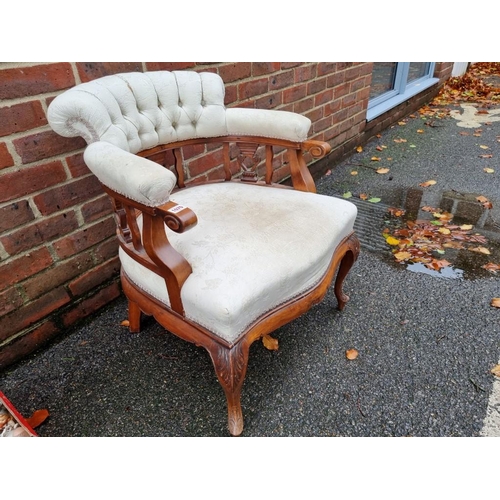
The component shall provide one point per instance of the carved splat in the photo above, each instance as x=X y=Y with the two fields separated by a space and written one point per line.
x=248 y=159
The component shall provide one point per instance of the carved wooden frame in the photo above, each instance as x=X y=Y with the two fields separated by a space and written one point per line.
x=152 y=249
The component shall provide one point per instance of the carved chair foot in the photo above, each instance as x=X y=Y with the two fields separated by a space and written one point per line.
x=134 y=317
x=346 y=263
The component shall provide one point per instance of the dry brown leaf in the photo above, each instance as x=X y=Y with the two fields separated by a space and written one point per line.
x=402 y=256
x=420 y=131
x=489 y=170
x=359 y=149
x=466 y=227
x=375 y=158
x=351 y=354
x=270 y=343
x=485 y=156
x=379 y=148
x=444 y=230
x=427 y=183
x=495 y=302
x=482 y=146
x=382 y=170
x=125 y=322
x=482 y=250
x=37 y=418
x=363 y=196
x=354 y=172
x=496 y=370
x=492 y=267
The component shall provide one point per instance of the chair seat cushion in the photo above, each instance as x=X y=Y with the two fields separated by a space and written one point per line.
x=254 y=248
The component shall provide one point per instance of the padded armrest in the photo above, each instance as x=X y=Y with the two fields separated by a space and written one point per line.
x=267 y=123
x=132 y=176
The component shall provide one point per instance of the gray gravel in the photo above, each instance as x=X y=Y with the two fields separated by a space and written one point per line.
x=426 y=344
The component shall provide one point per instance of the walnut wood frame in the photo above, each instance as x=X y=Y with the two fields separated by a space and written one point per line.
x=152 y=249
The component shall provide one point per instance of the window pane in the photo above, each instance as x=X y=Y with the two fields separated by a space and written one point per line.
x=417 y=70
x=383 y=76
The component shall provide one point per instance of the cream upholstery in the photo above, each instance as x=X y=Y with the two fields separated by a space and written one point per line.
x=137 y=111
x=271 y=245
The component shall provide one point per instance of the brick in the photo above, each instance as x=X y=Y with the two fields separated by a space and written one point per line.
x=322 y=124
x=33 y=80
x=21 y=117
x=39 y=233
x=341 y=90
x=317 y=85
x=43 y=145
x=68 y=195
x=95 y=277
x=96 y=209
x=77 y=166
x=231 y=95
x=29 y=314
x=5 y=157
x=15 y=214
x=59 y=274
x=106 y=250
x=85 y=238
x=205 y=163
x=323 y=97
x=92 y=70
x=30 y=179
x=265 y=68
x=252 y=88
x=269 y=101
x=27 y=344
x=189 y=152
x=10 y=299
x=286 y=65
x=281 y=80
x=235 y=71
x=336 y=79
x=295 y=93
x=92 y=304
x=169 y=66
x=304 y=105
x=304 y=73
x=16 y=270
x=326 y=68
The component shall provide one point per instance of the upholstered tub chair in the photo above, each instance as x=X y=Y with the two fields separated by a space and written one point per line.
x=224 y=262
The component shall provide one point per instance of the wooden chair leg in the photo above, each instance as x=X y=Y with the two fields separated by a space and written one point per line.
x=346 y=263
x=230 y=367
x=134 y=317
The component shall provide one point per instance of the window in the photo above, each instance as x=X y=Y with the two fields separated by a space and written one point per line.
x=395 y=82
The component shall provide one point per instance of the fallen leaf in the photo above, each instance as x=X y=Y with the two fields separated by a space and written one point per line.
x=351 y=354
x=482 y=250
x=466 y=227
x=375 y=158
x=382 y=170
x=420 y=131
x=392 y=241
x=489 y=170
x=492 y=267
x=354 y=172
x=379 y=148
x=427 y=183
x=401 y=123
x=37 y=418
x=485 y=156
x=270 y=343
x=363 y=196
x=495 y=302
x=496 y=370
x=347 y=195
x=374 y=200
x=396 y=212
x=359 y=149
x=328 y=172
x=444 y=230
x=125 y=322
x=399 y=140
x=482 y=146
x=402 y=256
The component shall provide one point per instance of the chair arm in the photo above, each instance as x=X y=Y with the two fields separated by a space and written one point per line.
x=134 y=177
x=270 y=123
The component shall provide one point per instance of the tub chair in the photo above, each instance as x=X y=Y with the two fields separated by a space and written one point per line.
x=209 y=245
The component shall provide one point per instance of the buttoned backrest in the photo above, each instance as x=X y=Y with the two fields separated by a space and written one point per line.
x=137 y=111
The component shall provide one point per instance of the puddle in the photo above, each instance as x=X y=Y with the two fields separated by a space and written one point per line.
x=451 y=239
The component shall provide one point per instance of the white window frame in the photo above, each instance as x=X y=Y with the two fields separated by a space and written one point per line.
x=402 y=90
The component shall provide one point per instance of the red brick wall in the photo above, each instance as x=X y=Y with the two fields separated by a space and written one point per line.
x=58 y=251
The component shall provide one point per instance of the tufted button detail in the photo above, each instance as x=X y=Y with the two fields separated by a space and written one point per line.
x=174 y=124
x=203 y=103
x=180 y=103
x=193 y=122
